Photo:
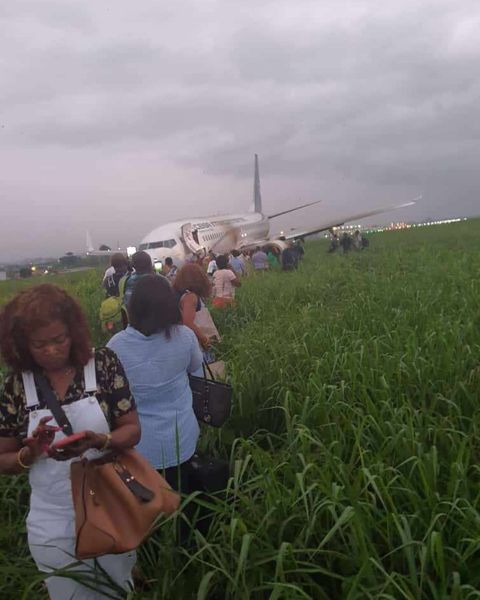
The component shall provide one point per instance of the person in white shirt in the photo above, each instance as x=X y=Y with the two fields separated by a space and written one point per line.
x=118 y=263
x=224 y=283
x=212 y=265
x=108 y=272
x=357 y=240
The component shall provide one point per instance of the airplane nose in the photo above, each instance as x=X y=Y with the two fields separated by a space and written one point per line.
x=159 y=255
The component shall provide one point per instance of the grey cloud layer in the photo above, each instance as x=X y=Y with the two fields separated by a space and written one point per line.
x=374 y=96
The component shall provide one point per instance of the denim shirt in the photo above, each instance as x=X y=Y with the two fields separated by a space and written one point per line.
x=157 y=369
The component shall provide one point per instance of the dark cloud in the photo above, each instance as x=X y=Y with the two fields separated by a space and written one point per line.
x=107 y=105
x=60 y=14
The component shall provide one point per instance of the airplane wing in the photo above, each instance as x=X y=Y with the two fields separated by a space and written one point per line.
x=285 y=212
x=235 y=231
x=338 y=221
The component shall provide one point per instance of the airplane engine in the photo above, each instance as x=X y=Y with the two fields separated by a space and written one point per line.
x=280 y=245
x=277 y=244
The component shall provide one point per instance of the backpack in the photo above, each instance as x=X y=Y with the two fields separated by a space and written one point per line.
x=126 y=286
x=122 y=285
x=111 y=315
x=111 y=284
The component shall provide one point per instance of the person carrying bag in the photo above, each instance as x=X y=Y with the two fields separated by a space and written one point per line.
x=43 y=333
x=116 y=495
x=158 y=354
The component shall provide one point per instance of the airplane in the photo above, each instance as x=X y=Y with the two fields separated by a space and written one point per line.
x=90 y=250
x=241 y=231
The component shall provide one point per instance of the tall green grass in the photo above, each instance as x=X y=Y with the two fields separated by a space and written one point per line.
x=354 y=443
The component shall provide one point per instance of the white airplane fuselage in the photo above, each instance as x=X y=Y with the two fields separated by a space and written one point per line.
x=224 y=233
x=220 y=234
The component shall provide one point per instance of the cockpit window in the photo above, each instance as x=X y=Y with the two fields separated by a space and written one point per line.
x=162 y=244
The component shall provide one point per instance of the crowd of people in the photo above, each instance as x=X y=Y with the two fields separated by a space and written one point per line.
x=199 y=278
x=347 y=242
x=135 y=392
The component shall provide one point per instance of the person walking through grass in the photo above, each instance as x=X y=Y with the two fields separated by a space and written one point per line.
x=158 y=353
x=260 y=260
x=192 y=287
x=273 y=259
x=169 y=269
x=118 y=269
x=43 y=331
x=142 y=266
x=224 y=283
x=237 y=263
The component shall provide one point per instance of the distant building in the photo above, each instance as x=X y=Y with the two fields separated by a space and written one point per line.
x=3 y=275
x=69 y=260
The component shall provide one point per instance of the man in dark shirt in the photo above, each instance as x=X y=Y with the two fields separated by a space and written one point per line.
x=289 y=259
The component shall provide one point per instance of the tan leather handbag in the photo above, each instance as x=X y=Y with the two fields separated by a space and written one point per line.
x=117 y=500
x=203 y=320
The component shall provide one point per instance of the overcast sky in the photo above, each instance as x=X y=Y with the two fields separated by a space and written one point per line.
x=118 y=116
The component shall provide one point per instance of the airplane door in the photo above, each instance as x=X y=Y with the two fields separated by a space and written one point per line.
x=190 y=237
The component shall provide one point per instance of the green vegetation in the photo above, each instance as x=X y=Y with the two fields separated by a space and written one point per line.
x=354 y=443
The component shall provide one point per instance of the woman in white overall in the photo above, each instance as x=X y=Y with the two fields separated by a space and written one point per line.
x=43 y=329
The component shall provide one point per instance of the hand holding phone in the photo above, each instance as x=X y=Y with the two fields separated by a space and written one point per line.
x=75 y=445
x=41 y=438
x=69 y=439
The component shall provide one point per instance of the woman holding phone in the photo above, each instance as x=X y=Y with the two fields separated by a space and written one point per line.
x=45 y=341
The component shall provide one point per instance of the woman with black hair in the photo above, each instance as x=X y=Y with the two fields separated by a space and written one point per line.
x=158 y=353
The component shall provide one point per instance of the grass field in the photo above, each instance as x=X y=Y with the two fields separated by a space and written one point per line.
x=354 y=443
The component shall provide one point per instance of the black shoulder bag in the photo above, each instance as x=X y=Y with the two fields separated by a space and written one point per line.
x=212 y=400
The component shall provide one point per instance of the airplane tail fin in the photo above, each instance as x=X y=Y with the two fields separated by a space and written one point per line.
x=257 y=196
x=90 y=247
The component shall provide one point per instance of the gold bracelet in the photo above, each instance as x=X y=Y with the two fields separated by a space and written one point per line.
x=19 y=458
x=108 y=439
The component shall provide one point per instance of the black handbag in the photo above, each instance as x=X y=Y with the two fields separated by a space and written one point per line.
x=212 y=400
x=209 y=474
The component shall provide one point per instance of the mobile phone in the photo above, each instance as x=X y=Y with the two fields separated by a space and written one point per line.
x=70 y=439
